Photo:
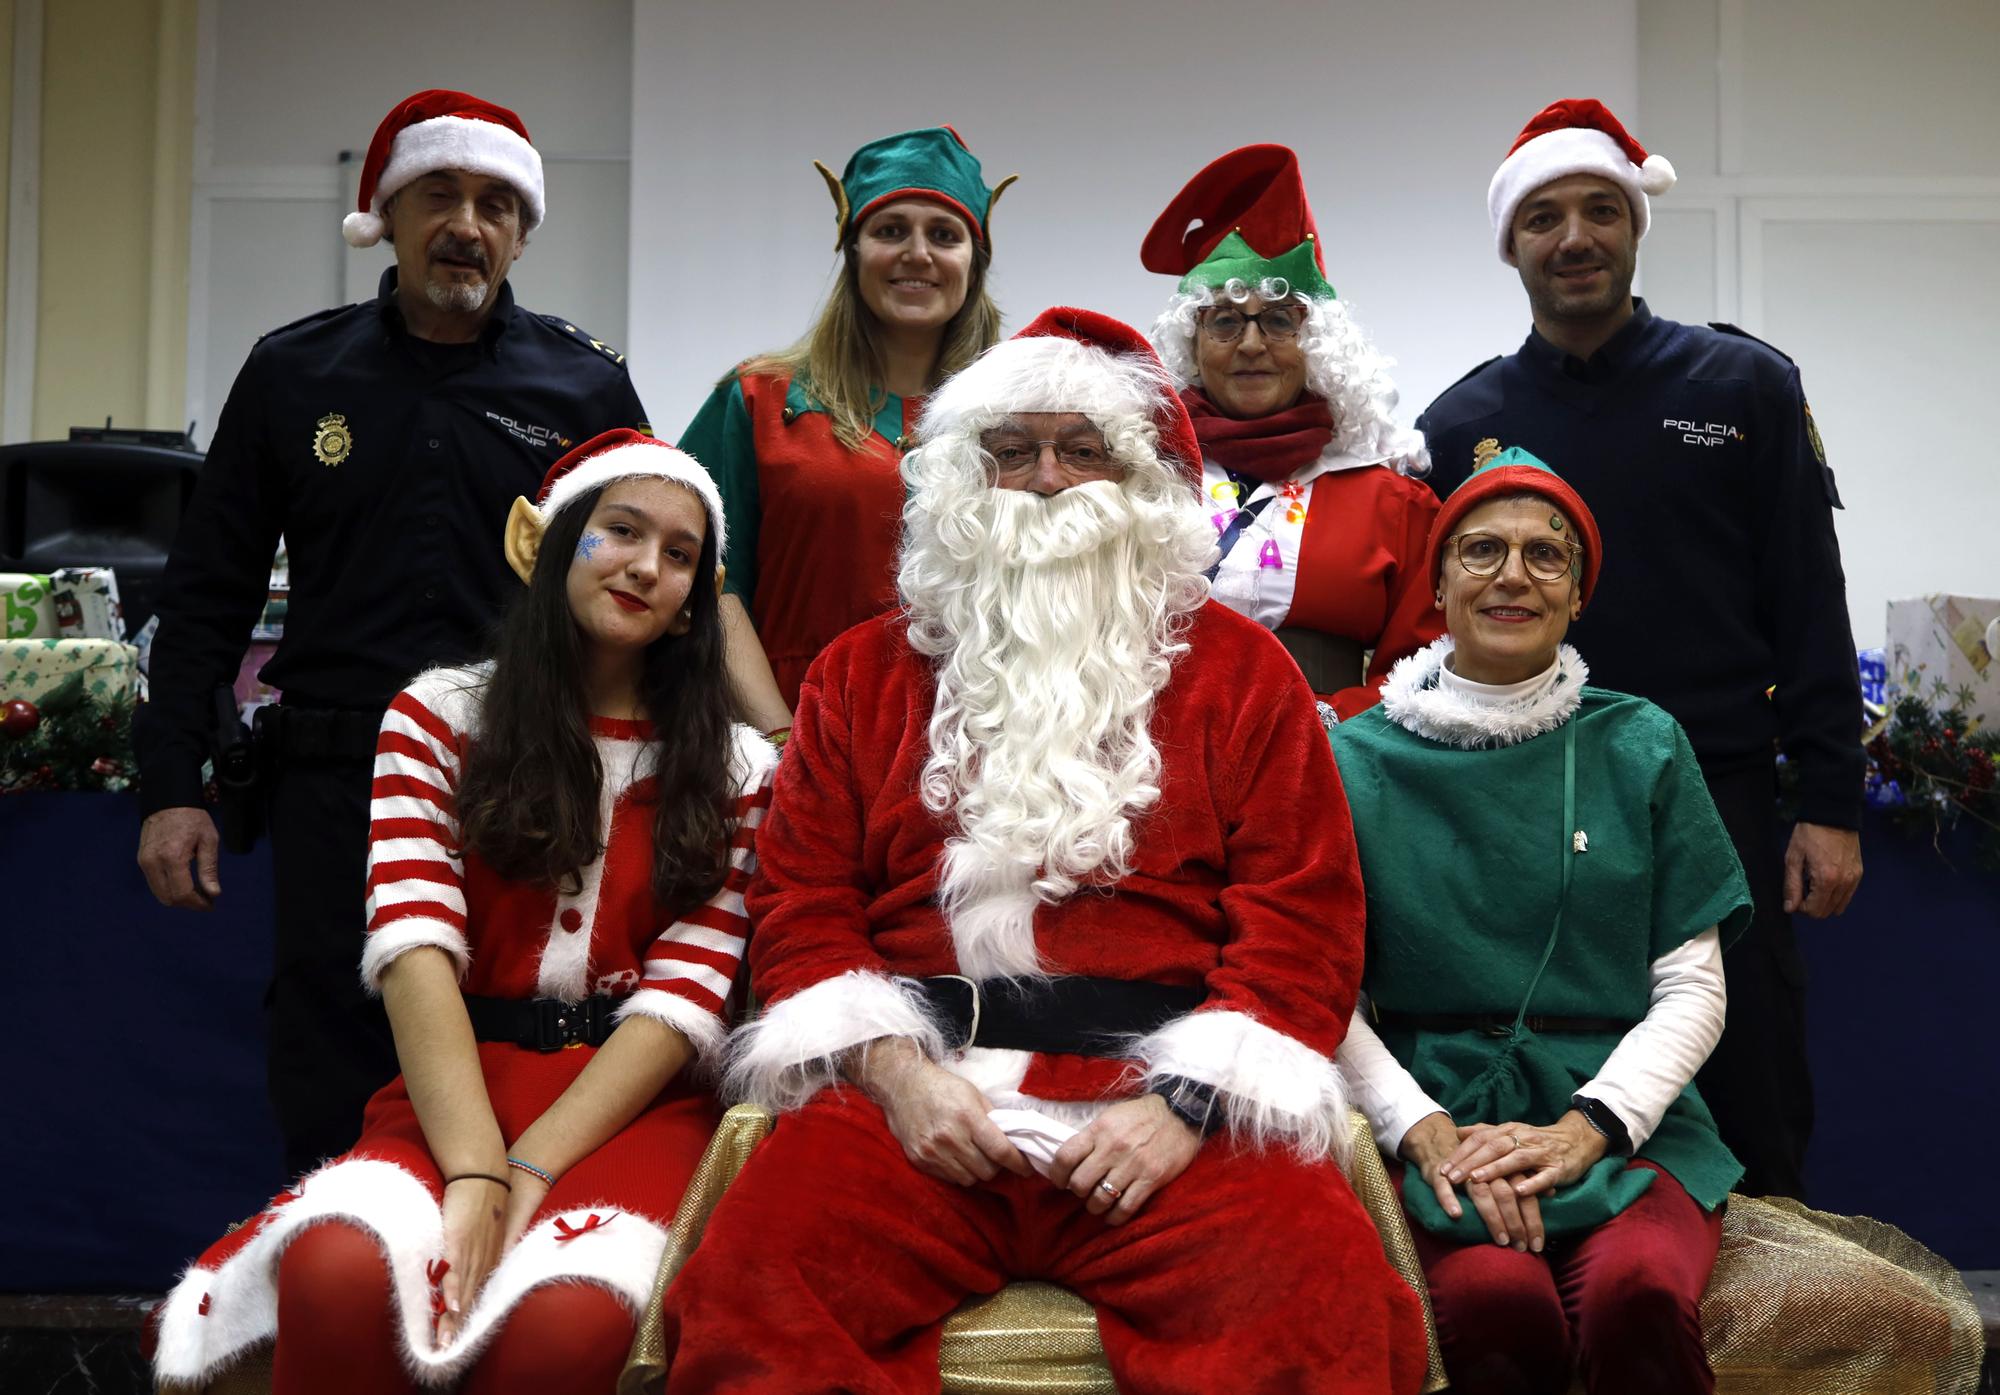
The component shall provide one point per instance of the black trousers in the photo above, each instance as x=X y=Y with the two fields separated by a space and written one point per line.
x=1757 y=1082
x=328 y=1040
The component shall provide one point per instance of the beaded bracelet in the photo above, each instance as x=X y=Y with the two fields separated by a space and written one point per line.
x=778 y=736
x=479 y=1177
x=532 y=1170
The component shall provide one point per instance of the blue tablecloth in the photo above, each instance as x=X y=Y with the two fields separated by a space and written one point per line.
x=135 y=1085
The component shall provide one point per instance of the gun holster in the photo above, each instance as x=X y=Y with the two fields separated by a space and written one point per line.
x=239 y=771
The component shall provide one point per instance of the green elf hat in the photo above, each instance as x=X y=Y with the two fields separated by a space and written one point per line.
x=929 y=164
x=1500 y=473
x=1243 y=218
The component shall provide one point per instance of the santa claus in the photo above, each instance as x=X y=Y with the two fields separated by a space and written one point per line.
x=1058 y=927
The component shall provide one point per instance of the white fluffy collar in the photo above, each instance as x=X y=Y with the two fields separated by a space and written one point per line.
x=1417 y=698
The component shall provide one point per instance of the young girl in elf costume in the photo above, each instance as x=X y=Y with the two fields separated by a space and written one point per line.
x=1305 y=475
x=560 y=841
x=807 y=444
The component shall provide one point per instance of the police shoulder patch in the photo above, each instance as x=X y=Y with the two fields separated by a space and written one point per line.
x=1721 y=327
x=585 y=338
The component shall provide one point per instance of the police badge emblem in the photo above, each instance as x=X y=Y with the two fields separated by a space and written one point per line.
x=1812 y=434
x=332 y=440
x=1483 y=452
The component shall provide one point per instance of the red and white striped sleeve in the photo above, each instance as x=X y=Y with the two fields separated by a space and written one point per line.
x=416 y=868
x=692 y=966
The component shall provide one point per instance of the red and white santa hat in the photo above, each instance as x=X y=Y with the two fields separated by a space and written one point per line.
x=624 y=454
x=1577 y=135
x=443 y=130
x=1069 y=360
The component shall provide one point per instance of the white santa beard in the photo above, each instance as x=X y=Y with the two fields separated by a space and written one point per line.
x=1054 y=643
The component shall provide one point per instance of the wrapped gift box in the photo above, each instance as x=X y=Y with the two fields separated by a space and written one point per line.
x=86 y=603
x=27 y=610
x=82 y=690
x=1938 y=653
x=34 y=668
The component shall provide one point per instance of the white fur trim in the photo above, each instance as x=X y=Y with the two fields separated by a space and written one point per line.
x=998 y=1073
x=1414 y=700
x=1047 y=373
x=703 y=1029
x=793 y=1050
x=564 y=970
x=360 y=229
x=1273 y=1087
x=622 y=1254
x=1558 y=154
x=464 y=143
x=383 y=947
x=651 y=462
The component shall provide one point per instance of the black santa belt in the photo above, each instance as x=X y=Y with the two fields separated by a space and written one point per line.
x=543 y=1024
x=1067 y=1016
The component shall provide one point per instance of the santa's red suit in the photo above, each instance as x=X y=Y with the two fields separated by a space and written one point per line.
x=832 y=1260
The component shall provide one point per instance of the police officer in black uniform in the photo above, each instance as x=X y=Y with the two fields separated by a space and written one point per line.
x=1727 y=606
x=385 y=442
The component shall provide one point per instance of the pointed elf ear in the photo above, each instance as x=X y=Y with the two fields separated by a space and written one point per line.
x=993 y=198
x=721 y=572
x=522 y=538
x=840 y=208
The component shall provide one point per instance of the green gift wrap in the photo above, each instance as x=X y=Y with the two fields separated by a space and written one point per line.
x=27 y=609
x=34 y=668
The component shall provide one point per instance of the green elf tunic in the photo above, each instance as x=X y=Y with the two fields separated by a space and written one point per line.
x=1470 y=822
x=813 y=525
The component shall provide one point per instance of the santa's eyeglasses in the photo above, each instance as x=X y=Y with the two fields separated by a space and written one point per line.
x=1015 y=453
x=1279 y=323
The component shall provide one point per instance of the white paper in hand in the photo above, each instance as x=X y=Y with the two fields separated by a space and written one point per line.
x=1034 y=1133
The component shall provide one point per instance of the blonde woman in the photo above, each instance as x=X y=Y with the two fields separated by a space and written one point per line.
x=807 y=443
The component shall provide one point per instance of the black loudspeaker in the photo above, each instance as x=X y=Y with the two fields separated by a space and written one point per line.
x=96 y=504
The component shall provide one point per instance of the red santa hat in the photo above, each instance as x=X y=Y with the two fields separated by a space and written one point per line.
x=624 y=454
x=1577 y=135
x=443 y=130
x=1069 y=360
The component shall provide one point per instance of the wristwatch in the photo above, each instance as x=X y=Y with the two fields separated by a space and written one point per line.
x=1604 y=1119
x=1190 y=1101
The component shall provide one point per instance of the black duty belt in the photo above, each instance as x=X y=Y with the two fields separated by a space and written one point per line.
x=1493 y=1024
x=294 y=734
x=545 y=1024
x=1069 y=1016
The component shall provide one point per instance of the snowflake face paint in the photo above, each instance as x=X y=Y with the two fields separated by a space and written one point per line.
x=587 y=545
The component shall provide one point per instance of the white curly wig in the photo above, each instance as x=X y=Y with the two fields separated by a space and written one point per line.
x=1343 y=366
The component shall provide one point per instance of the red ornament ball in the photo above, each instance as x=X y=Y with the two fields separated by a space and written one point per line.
x=19 y=717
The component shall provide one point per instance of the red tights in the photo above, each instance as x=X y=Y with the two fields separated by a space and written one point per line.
x=1621 y=1306
x=338 y=1333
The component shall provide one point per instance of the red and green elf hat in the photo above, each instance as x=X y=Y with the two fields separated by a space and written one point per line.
x=1243 y=218
x=1516 y=471
x=932 y=163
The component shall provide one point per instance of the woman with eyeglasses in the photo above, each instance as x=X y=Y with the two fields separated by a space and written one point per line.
x=807 y=443
x=1305 y=476
x=1548 y=887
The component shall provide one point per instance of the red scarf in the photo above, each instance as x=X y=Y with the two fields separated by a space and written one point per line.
x=1269 y=448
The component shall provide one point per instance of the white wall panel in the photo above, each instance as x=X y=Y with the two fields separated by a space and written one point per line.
x=1898 y=366
x=1679 y=263
x=1400 y=114
x=256 y=280
x=1839 y=87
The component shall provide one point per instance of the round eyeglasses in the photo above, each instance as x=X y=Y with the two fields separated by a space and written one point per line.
x=1279 y=323
x=1547 y=559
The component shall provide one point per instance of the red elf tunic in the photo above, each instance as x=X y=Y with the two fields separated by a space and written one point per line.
x=604 y=1221
x=1257 y=1267
x=813 y=525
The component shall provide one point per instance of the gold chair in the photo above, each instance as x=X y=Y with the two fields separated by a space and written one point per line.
x=1801 y=1302
x=1027 y=1337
